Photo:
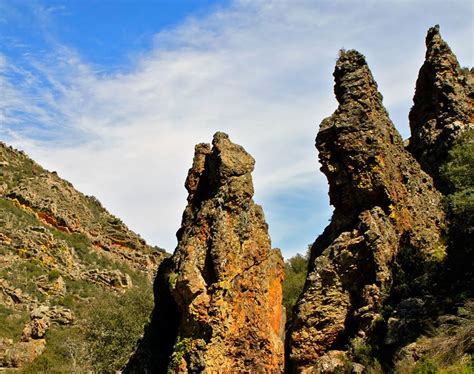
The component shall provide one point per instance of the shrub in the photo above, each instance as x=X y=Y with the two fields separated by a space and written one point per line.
x=114 y=325
x=295 y=275
x=459 y=174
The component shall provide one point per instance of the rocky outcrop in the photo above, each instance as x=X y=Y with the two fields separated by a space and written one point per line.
x=385 y=233
x=218 y=298
x=17 y=355
x=32 y=342
x=443 y=106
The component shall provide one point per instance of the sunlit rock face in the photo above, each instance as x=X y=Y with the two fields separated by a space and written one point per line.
x=443 y=105
x=385 y=208
x=219 y=297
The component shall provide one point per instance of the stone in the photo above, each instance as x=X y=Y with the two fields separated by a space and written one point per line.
x=443 y=106
x=23 y=353
x=55 y=288
x=35 y=329
x=57 y=314
x=385 y=209
x=219 y=297
x=111 y=278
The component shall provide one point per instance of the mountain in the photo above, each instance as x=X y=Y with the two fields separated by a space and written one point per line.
x=60 y=251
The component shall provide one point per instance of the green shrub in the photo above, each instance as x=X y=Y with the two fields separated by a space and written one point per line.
x=295 y=276
x=458 y=171
x=114 y=325
x=182 y=346
x=66 y=352
x=459 y=174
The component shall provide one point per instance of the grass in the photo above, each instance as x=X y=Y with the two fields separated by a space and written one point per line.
x=22 y=275
x=13 y=322
x=449 y=350
x=19 y=216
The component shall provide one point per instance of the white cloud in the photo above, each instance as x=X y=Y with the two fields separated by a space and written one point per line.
x=259 y=70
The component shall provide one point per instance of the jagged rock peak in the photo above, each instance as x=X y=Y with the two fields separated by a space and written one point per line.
x=443 y=105
x=385 y=207
x=224 y=161
x=354 y=83
x=218 y=298
x=352 y=143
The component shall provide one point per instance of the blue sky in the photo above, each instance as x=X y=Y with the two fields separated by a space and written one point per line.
x=114 y=94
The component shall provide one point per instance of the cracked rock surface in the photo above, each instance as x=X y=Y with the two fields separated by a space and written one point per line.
x=218 y=299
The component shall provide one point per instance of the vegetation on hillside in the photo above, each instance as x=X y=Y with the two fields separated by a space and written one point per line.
x=105 y=335
x=448 y=346
x=108 y=322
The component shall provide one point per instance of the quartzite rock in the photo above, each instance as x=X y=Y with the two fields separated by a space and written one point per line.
x=443 y=105
x=223 y=280
x=384 y=205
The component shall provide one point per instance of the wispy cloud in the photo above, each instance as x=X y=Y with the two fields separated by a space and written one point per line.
x=259 y=70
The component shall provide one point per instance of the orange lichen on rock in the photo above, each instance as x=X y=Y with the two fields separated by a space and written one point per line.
x=221 y=290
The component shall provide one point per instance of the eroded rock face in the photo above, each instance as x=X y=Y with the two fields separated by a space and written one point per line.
x=443 y=105
x=218 y=298
x=385 y=207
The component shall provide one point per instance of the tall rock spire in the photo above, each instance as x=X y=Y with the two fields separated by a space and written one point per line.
x=219 y=297
x=443 y=105
x=385 y=205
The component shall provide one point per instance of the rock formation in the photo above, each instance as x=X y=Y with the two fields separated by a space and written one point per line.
x=218 y=298
x=387 y=225
x=443 y=105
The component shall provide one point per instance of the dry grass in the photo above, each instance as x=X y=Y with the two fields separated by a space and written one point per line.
x=449 y=350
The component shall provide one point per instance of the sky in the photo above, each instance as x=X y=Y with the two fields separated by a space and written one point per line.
x=113 y=95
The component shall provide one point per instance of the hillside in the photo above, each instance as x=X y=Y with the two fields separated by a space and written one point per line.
x=61 y=253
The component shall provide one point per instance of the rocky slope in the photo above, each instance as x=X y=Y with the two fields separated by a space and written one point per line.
x=443 y=106
x=387 y=226
x=57 y=247
x=218 y=298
